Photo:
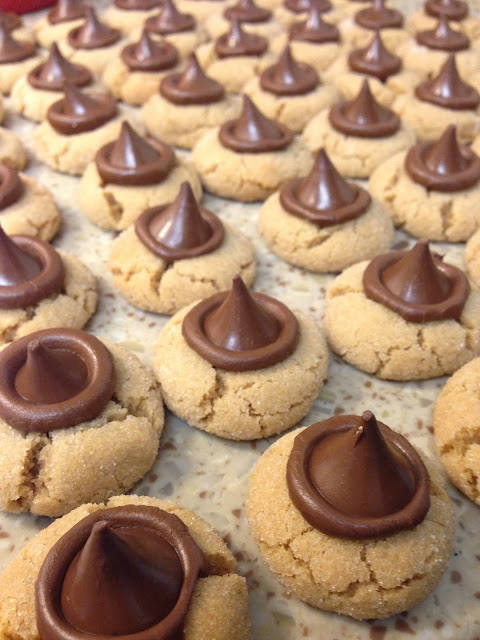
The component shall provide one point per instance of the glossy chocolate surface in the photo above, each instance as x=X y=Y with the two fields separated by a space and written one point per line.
x=66 y=11
x=451 y=9
x=375 y=60
x=93 y=34
x=363 y=116
x=288 y=77
x=378 y=16
x=12 y=50
x=122 y=571
x=448 y=90
x=180 y=229
x=417 y=285
x=11 y=186
x=237 y=42
x=314 y=28
x=137 y=5
x=149 y=55
x=443 y=37
x=78 y=112
x=10 y=20
x=238 y=330
x=353 y=477
x=252 y=132
x=134 y=161
x=247 y=11
x=324 y=197
x=302 y=6
x=443 y=164
x=170 y=20
x=30 y=271
x=191 y=86
x=54 y=379
x=52 y=74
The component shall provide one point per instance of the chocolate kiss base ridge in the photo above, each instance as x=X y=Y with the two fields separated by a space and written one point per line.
x=52 y=74
x=11 y=186
x=148 y=55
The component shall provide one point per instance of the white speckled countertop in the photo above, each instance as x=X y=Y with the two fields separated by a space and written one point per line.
x=210 y=476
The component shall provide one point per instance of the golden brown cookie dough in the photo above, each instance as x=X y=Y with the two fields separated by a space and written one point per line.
x=201 y=10
x=324 y=249
x=422 y=212
x=217 y=24
x=379 y=341
x=239 y=405
x=356 y=36
x=472 y=258
x=10 y=72
x=421 y=21
x=12 y=151
x=94 y=59
x=115 y=206
x=34 y=213
x=149 y=283
x=354 y=157
x=127 y=20
x=219 y=607
x=319 y=56
x=247 y=176
x=184 y=41
x=72 y=308
x=426 y=62
x=370 y=578
x=184 y=125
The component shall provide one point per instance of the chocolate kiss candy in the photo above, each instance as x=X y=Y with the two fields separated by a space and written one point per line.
x=314 y=28
x=444 y=156
x=10 y=20
x=137 y=5
x=289 y=77
x=375 y=60
x=191 y=86
x=452 y=9
x=93 y=34
x=12 y=50
x=123 y=581
x=447 y=89
x=360 y=474
x=240 y=323
x=16 y=266
x=443 y=37
x=78 y=112
x=378 y=16
x=301 y=6
x=78 y=103
x=149 y=55
x=170 y=20
x=237 y=42
x=11 y=186
x=50 y=375
x=56 y=70
x=247 y=11
x=66 y=10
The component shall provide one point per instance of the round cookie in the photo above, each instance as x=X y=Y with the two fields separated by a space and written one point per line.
x=17 y=58
x=201 y=10
x=472 y=258
x=254 y=18
x=380 y=341
x=151 y=282
x=373 y=577
x=324 y=247
x=218 y=610
x=420 y=21
x=55 y=26
x=12 y=151
x=456 y=428
x=358 y=28
x=115 y=202
x=239 y=405
x=127 y=19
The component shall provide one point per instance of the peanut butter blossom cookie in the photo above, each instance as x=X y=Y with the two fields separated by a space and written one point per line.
x=187 y=105
x=257 y=19
x=350 y=518
x=433 y=190
x=250 y=157
x=79 y=421
x=426 y=319
x=130 y=175
x=374 y=17
x=136 y=566
x=62 y=18
x=128 y=15
x=358 y=134
x=17 y=57
x=41 y=288
x=178 y=253
x=240 y=365
x=324 y=223
x=454 y=10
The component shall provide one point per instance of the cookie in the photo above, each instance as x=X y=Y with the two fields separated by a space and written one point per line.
x=17 y=58
x=456 y=428
x=127 y=19
x=254 y=18
x=357 y=30
x=239 y=405
x=378 y=340
x=419 y=21
x=12 y=151
x=218 y=609
x=58 y=22
x=372 y=577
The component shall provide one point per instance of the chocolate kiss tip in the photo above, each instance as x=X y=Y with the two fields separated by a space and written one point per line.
x=76 y=101
x=130 y=149
x=16 y=266
x=253 y=125
x=444 y=156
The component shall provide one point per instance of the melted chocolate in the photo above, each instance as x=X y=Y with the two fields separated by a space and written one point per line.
x=236 y=42
x=241 y=331
x=314 y=28
x=416 y=285
x=253 y=132
x=451 y=9
x=375 y=60
x=443 y=165
x=378 y=16
x=448 y=90
x=288 y=77
x=137 y=5
x=352 y=477
x=54 y=379
x=93 y=34
x=247 y=11
x=363 y=116
x=170 y=20
x=191 y=86
x=443 y=37
x=119 y=572
x=11 y=186
x=302 y=6
x=149 y=55
x=180 y=229
x=30 y=270
x=133 y=160
x=79 y=112
x=12 y=50
x=52 y=74
x=324 y=197
x=66 y=11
